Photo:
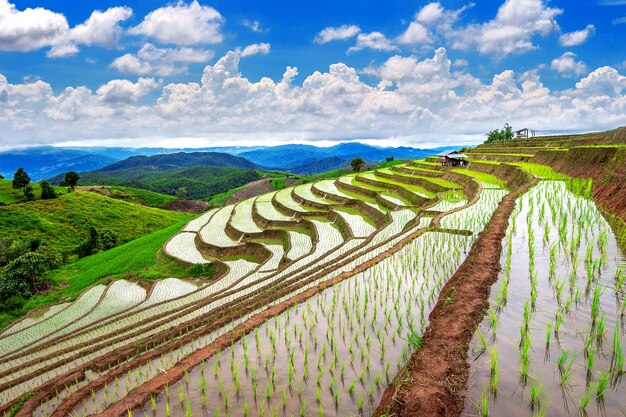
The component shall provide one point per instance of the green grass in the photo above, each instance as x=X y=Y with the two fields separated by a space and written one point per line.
x=540 y=171
x=335 y=173
x=481 y=176
x=137 y=259
x=137 y=195
x=221 y=198
x=10 y=196
x=64 y=222
x=278 y=183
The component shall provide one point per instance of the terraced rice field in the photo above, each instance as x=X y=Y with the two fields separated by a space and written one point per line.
x=321 y=294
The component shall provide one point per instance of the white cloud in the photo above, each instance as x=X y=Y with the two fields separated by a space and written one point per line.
x=151 y=60
x=413 y=100
x=578 y=37
x=29 y=29
x=101 y=28
x=430 y=13
x=182 y=24
x=256 y=48
x=605 y=81
x=416 y=33
x=567 y=65
x=338 y=33
x=253 y=25
x=511 y=31
x=33 y=29
x=619 y=20
x=375 y=40
x=125 y=91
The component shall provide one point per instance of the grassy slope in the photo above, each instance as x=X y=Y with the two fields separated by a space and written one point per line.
x=10 y=196
x=137 y=195
x=139 y=259
x=64 y=222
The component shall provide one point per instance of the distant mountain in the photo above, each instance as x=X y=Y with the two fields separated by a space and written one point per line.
x=308 y=159
x=202 y=174
x=321 y=165
x=47 y=161
x=181 y=160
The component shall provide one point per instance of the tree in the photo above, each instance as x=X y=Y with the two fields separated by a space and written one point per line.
x=89 y=246
x=107 y=240
x=389 y=158
x=28 y=193
x=1 y=177
x=20 y=179
x=497 y=135
x=181 y=193
x=357 y=164
x=47 y=192
x=71 y=179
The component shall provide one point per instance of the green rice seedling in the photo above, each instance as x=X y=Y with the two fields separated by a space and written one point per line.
x=566 y=371
x=188 y=408
x=617 y=358
x=415 y=340
x=602 y=384
x=303 y=409
x=482 y=340
x=584 y=401
x=493 y=375
x=536 y=393
x=483 y=404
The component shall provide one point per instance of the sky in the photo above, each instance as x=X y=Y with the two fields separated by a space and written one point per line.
x=235 y=72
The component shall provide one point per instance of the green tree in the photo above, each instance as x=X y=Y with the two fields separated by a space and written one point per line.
x=28 y=193
x=357 y=164
x=181 y=193
x=71 y=179
x=47 y=192
x=90 y=245
x=497 y=135
x=20 y=179
x=389 y=158
x=107 y=240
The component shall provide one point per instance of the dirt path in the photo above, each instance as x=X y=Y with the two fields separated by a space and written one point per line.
x=434 y=381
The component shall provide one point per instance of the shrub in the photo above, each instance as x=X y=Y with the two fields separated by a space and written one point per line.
x=47 y=192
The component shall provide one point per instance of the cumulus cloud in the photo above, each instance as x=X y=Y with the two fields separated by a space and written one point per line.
x=605 y=81
x=256 y=48
x=416 y=33
x=29 y=29
x=337 y=33
x=151 y=60
x=578 y=37
x=511 y=31
x=413 y=99
x=125 y=91
x=33 y=29
x=375 y=40
x=567 y=65
x=182 y=24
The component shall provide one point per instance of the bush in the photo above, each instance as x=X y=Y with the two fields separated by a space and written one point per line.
x=47 y=192
x=28 y=193
x=497 y=135
x=108 y=240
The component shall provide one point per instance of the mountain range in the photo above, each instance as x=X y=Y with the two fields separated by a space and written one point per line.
x=47 y=161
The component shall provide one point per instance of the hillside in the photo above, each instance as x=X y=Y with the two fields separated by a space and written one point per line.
x=130 y=194
x=177 y=160
x=200 y=182
x=10 y=196
x=64 y=222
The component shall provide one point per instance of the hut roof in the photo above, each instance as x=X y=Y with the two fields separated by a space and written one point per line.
x=446 y=153
x=457 y=155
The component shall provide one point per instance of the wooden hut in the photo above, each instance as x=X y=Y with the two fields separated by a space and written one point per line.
x=452 y=158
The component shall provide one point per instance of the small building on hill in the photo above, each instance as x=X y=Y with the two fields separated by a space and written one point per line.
x=524 y=133
x=452 y=158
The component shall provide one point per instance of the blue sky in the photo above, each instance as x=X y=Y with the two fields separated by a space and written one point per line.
x=389 y=72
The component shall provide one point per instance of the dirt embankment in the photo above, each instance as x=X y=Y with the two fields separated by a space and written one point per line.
x=607 y=167
x=255 y=188
x=434 y=381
